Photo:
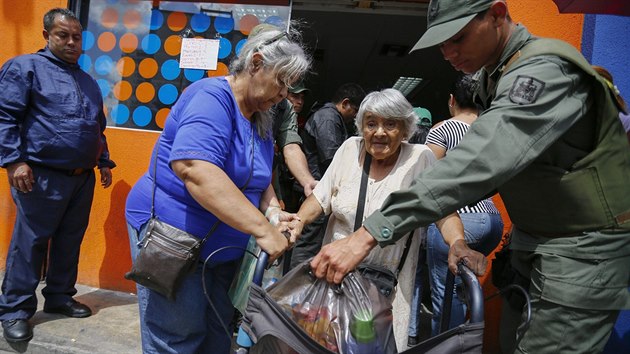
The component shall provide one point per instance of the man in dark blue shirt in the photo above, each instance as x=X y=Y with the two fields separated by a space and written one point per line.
x=51 y=138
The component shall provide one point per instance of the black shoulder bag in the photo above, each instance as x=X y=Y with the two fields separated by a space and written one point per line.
x=384 y=279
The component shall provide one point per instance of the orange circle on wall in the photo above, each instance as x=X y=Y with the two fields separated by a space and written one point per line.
x=106 y=41
x=145 y=92
x=160 y=117
x=122 y=90
x=126 y=66
x=173 y=45
x=109 y=17
x=148 y=68
x=176 y=21
x=132 y=19
x=222 y=70
x=128 y=42
x=247 y=23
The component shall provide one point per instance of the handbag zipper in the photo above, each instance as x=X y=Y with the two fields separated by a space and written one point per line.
x=164 y=244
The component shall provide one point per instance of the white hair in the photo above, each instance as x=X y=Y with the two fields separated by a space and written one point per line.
x=283 y=53
x=389 y=104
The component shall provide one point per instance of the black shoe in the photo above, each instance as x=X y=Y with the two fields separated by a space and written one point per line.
x=412 y=341
x=18 y=330
x=71 y=309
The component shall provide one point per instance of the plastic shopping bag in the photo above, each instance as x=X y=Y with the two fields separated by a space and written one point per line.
x=303 y=314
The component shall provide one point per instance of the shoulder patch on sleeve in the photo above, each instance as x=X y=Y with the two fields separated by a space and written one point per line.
x=526 y=90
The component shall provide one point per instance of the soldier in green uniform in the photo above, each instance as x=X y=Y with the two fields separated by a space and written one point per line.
x=550 y=142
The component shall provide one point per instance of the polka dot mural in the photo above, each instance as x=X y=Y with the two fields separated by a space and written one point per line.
x=132 y=49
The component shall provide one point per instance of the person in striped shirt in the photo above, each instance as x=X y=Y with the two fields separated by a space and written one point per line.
x=483 y=226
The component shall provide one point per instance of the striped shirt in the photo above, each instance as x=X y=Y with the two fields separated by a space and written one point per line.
x=447 y=135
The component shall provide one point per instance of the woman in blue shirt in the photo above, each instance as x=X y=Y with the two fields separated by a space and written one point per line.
x=213 y=163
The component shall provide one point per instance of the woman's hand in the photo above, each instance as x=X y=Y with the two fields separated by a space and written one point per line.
x=295 y=228
x=460 y=252
x=274 y=243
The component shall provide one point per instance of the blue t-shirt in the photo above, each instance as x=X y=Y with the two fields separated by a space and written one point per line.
x=204 y=124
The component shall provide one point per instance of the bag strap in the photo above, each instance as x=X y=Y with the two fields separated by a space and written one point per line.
x=358 y=219
x=155 y=161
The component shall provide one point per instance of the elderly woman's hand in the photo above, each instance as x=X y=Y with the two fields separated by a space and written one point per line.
x=459 y=251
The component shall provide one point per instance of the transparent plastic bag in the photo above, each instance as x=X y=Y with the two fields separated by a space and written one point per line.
x=348 y=319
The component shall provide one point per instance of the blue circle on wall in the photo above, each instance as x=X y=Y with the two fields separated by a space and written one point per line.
x=276 y=21
x=194 y=74
x=200 y=22
x=170 y=69
x=151 y=43
x=157 y=19
x=103 y=65
x=112 y=1
x=104 y=86
x=239 y=46
x=225 y=48
x=88 y=40
x=119 y=114
x=224 y=24
x=167 y=93
x=85 y=62
x=142 y=116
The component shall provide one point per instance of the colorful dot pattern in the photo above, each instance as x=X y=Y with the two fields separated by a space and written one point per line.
x=132 y=50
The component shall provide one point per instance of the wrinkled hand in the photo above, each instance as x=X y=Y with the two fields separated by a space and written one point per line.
x=459 y=251
x=340 y=257
x=21 y=176
x=308 y=188
x=106 y=176
x=295 y=227
x=282 y=221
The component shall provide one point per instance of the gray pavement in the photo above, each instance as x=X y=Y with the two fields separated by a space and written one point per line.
x=114 y=326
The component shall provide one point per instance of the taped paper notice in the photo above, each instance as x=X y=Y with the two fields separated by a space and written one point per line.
x=199 y=53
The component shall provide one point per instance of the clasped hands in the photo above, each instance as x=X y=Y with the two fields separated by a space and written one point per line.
x=289 y=224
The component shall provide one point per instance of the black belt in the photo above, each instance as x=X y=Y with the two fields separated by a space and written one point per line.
x=69 y=172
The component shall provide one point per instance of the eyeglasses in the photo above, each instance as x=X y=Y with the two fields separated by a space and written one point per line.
x=275 y=38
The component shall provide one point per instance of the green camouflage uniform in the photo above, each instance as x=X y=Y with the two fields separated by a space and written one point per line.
x=548 y=140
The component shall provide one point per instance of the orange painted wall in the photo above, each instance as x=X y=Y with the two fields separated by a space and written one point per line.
x=105 y=251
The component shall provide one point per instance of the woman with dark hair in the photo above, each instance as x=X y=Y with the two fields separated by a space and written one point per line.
x=483 y=227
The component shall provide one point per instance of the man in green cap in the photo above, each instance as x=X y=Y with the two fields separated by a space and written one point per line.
x=550 y=142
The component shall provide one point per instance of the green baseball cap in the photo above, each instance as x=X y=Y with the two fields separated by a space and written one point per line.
x=299 y=87
x=424 y=116
x=447 y=17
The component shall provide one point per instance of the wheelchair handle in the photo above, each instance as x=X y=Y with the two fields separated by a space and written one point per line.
x=475 y=296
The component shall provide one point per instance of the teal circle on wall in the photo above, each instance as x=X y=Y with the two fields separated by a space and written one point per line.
x=194 y=74
x=88 y=40
x=142 y=116
x=157 y=19
x=151 y=43
x=224 y=25
x=85 y=62
x=103 y=65
x=170 y=69
x=225 y=48
x=200 y=22
x=167 y=93
x=119 y=114
x=104 y=86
